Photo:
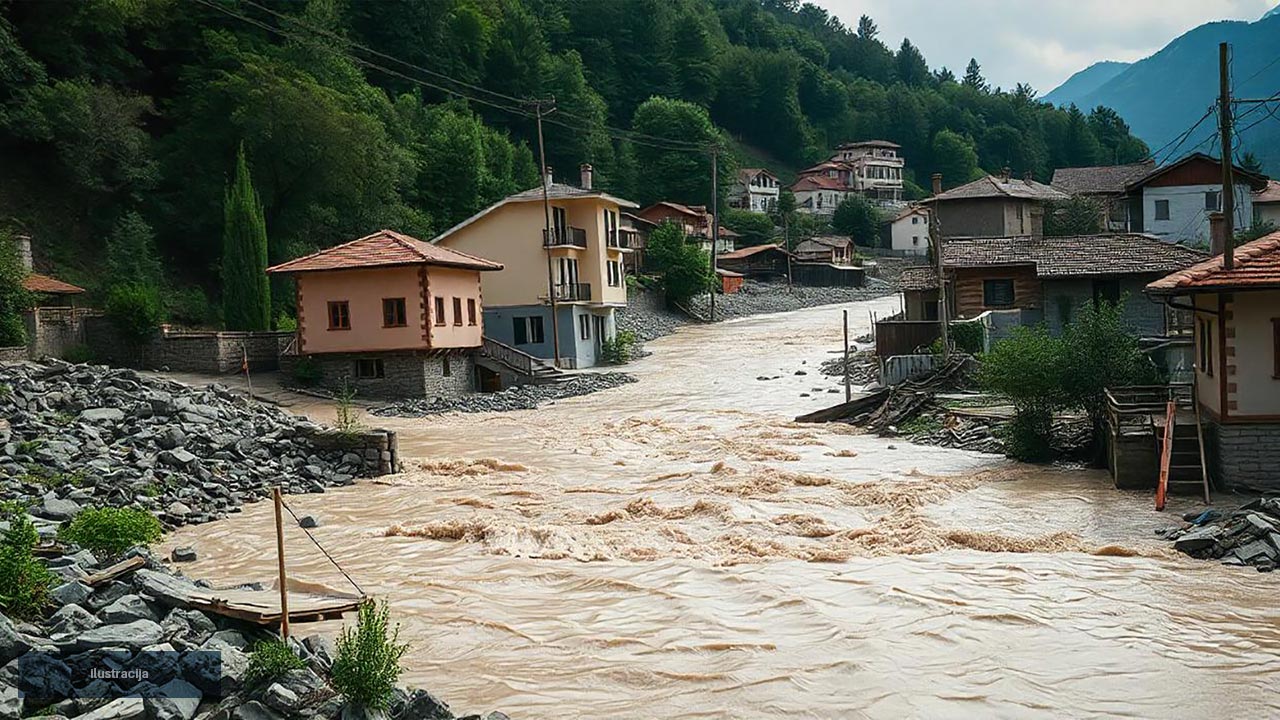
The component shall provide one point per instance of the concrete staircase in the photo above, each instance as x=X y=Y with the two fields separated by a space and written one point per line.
x=522 y=367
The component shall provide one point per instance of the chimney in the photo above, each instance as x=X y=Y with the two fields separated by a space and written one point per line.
x=937 y=183
x=546 y=176
x=1029 y=176
x=22 y=244
x=585 y=168
x=1217 y=233
x=1006 y=173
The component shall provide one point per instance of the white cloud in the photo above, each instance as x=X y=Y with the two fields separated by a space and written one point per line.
x=1041 y=42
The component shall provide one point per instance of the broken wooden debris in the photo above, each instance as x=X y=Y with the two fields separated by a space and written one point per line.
x=307 y=602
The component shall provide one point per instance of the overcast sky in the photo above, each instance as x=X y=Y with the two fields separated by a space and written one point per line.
x=1042 y=42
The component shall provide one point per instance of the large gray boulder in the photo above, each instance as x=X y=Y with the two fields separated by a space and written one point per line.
x=12 y=644
x=126 y=610
x=133 y=708
x=133 y=635
x=55 y=508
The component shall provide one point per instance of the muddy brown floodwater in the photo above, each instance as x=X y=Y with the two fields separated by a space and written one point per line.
x=679 y=548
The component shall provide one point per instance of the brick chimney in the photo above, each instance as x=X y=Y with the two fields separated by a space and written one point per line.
x=1217 y=233
x=546 y=176
x=22 y=244
x=1029 y=176
x=937 y=183
x=1006 y=173
x=586 y=170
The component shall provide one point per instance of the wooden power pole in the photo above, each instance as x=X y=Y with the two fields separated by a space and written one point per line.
x=283 y=580
x=1228 y=174
x=715 y=226
x=935 y=237
x=546 y=211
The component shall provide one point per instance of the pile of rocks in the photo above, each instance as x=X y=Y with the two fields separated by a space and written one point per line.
x=523 y=397
x=647 y=315
x=1248 y=536
x=78 y=435
x=864 y=368
x=164 y=661
x=758 y=297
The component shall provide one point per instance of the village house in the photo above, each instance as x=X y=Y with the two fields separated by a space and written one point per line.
x=831 y=249
x=992 y=206
x=876 y=170
x=818 y=194
x=694 y=221
x=389 y=315
x=634 y=232
x=756 y=189
x=1107 y=185
x=909 y=231
x=1266 y=204
x=1048 y=279
x=1237 y=359
x=583 y=255
x=765 y=262
x=1173 y=202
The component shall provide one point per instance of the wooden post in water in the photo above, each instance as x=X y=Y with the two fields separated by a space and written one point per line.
x=848 y=391
x=284 y=584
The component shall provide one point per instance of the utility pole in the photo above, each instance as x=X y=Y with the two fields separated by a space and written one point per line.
x=546 y=211
x=1228 y=170
x=848 y=389
x=935 y=236
x=715 y=225
x=282 y=579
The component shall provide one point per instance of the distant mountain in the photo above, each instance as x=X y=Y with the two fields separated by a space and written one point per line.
x=1085 y=81
x=1163 y=95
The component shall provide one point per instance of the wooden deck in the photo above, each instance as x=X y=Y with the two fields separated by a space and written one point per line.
x=307 y=602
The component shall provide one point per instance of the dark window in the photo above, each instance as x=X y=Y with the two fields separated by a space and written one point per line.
x=535 y=330
x=445 y=370
x=997 y=293
x=339 y=315
x=520 y=331
x=1213 y=200
x=457 y=311
x=584 y=327
x=1162 y=209
x=1106 y=290
x=1205 y=344
x=439 y=303
x=471 y=311
x=393 y=313
x=370 y=369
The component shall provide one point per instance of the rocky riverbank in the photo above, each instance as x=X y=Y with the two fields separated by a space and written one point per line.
x=74 y=436
x=1247 y=536
x=523 y=397
x=758 y=297
x=126 y=649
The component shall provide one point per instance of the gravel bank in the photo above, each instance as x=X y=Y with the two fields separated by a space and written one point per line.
x=525 y=397
x=758 y=298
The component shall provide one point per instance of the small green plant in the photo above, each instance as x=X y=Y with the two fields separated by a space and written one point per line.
x=306 y=372
x=50 y=478
x=286 y=322
x=368 y=660
x=78 y=354
x=347 y=420
x=270 y=660
x=618 y=349
x=111 y=531
x=24 y=580
x=920 y=425
x=151 y=490
x=1028 y=436
x=136 y=310
x=30 y=447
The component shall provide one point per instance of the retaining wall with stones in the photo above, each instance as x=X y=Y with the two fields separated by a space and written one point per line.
x=1245 y=456
x=213 y=352
x=378 y=449
x=404 y=375
x=18 y=353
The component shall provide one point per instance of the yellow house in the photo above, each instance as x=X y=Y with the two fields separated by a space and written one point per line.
x=1237 y=358
x=577 y=268
x=389 y=314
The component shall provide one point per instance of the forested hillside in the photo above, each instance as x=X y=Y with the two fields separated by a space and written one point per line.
x=121 y=120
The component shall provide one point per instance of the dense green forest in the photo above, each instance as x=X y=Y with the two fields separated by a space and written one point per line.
x=120 y=119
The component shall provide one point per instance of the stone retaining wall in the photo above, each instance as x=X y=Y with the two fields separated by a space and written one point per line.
x=404 y=375
x=14 y=354
x=211 y=352
x=1245 y=456
x=379 y=448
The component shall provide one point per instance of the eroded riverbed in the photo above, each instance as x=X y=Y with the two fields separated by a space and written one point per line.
x=679 y=548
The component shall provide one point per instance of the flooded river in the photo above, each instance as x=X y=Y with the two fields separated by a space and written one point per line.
x=679 y=548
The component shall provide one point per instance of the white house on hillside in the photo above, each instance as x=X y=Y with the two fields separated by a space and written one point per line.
x=909 y=231
x=756 y=190
x=818 y=194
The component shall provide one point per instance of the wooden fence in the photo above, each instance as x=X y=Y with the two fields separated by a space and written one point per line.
x=903 y=337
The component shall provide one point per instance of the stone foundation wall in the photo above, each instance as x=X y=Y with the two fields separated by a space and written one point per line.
x=405 y=375
x=14 y=354
x=1245 y=456
x=379 y=449
x=199 y=351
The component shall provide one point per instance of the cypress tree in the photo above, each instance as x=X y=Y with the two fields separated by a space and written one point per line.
x=246 y=291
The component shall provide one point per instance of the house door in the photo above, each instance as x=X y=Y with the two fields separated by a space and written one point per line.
x=598 y=326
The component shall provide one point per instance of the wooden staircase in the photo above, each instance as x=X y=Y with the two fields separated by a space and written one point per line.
x=1182 y=454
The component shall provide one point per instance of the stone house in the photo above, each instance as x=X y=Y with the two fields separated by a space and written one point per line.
x=1237 y=358
x=992 y=206
x=390 y=315
x=572 y=312
x=1048 y=279
x=1107 y=185
x=819 y=193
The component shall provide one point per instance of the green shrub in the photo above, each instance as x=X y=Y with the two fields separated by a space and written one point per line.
x=347 y=419
x=48 y=477
x=78 y=354
x=190 y=307
x=967 y=336
x=136 y=311
x=1029 y=435
x=368 y=661
x=286 y=322
x=24 y=580
x=618 y=349
x=112 y=531
x=270 y=660
x=306 y=372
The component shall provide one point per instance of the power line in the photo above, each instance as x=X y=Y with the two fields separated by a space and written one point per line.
x=1180 y=139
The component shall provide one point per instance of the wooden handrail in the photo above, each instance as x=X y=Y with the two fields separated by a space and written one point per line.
x=1166 y=454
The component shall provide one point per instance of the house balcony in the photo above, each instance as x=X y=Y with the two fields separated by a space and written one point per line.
x=573 y=292
x=624 y=240
x=565 y=237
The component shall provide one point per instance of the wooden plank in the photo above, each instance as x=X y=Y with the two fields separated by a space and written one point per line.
x=124 y=567
x=864 y=403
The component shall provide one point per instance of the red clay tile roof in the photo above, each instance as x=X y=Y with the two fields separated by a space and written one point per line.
x=52 y=286
x=752 y=250
x=1077 y=256
x=382 y=249
x=746 y=174
x=817 y=182
x=1270 y=195
x=1257 y=266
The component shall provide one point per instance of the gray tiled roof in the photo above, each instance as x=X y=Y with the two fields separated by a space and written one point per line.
x=997 y=187
x=1105 y=179
x=1077 y=256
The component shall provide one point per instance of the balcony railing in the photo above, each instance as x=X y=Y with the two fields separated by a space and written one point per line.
x=573 y=292
x=625 y=240
x=565 y=237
